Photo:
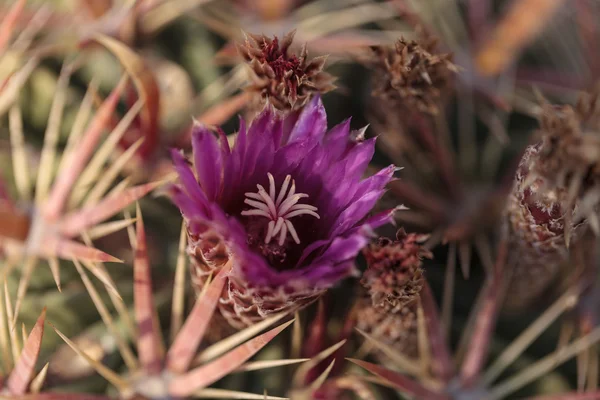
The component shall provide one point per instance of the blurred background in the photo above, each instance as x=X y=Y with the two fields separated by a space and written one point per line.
x=501 y=62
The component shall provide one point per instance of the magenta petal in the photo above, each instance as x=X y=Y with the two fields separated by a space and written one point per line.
x=323 y=276
x=337 y=191
x=262 y=124
x=277 y=131
x=337 y=139
x=311 y=248
x=224 y=143
x=378 y=220
x=290 y=156
x=261 y=146
x=232 y=173
x=373 y=183
x=207 y=161
x=343 y=249
x=360 y=154
x=361 y=192
x=192 y=210
x=312 y=122
x=187 y=178
x=239 y=148
x=357 y=210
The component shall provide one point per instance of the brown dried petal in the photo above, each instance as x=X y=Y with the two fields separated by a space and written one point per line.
x=285 y=80
x=537 y=213
x=570 y=144
x=411 y=74
x=398 y=330
x=394 y=276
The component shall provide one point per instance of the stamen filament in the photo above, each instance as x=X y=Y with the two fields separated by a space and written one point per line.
x=254 y=196
x=303 y=207
x=284 y=187
x=269 y=231
x=290 y=201
x=257 y=204
x=256 y=212
x=302 y=212
x=283 y=234
x=268 y=200
x=278 y=225
x=271 y=186
x=292 y=231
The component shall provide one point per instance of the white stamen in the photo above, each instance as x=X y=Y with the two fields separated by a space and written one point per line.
x=271 y=186
x=284 y=187
x=269 y=231
x=303 y=207
x=268 y=200
x=283 y=234
x=292 y=231
x=279 y=208
x=257 y=204
x=278 y=225
x=256 y=212
x=289 y=202
x=255 y=196
x=302 y=212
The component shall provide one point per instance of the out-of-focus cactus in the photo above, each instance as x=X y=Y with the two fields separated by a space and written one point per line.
x=312 y=21
x=451 y=192
x=451 y=111
x=72 y=199
x=178 y=371
x=19 y=352
x=438 y=378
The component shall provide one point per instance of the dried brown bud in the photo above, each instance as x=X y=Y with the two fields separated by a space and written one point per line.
x=392 y=284
x=412 y=74
x=541 y=220
x=285 y=80
x=398 y=330
x=394 y=277
x=570 y=146
x=555 y=195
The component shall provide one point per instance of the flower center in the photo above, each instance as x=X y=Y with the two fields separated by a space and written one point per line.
x=279 y=209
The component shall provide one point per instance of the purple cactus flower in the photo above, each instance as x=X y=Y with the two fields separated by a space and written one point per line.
x=286 y=207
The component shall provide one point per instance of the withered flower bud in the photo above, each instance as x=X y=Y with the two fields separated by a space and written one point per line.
x=392 y=283
x=394 y=277
x=285 y=80
x=553 y=197
x=412 y=74
x=570 y=146
x=538 y=215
